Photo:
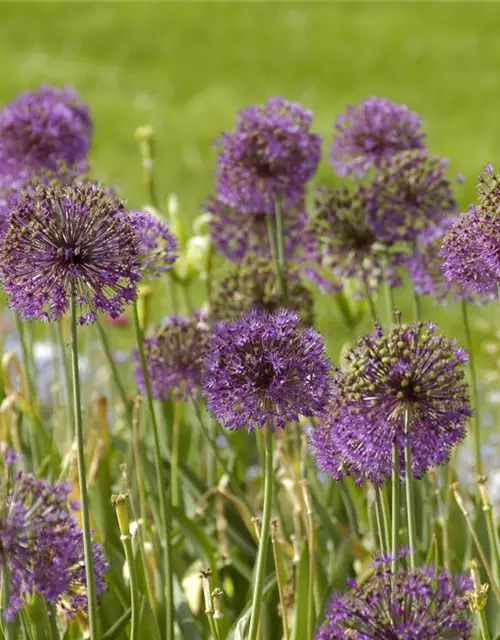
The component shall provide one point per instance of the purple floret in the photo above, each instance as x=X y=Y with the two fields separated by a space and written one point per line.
x=268 y=158
x=419 y=604
x=407 y=367
x=263 y=369
x=373 y=132
x=157 y=246
x=65 y=241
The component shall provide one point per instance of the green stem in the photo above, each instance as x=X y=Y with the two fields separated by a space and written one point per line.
x=378 y=516
x=271 y=231
x=134 y=586
x=384 y=518
x=164 y=495
x=410 y=502
x=389 y=297
x=483 y=625
x=280 y=248
x=174 y=460
x=54 y=630
x=7 y=626
x=417 y=307
x=114 y=370
x=82 y=476
x=66 y=373
x=396 y=506
x=279 y=581
x=478 y=464
x=369 y=299
x=264 y=538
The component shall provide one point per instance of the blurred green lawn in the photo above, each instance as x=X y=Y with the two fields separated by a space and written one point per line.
x=187 y=68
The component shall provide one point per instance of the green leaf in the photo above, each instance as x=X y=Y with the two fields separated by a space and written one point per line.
x=187 y=623
x=302 y=596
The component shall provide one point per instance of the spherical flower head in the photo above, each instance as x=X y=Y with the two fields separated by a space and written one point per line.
x=263 y=369
x=419 y=604
x=157 y=246
x=43 y=546
x=253 y=285
x=268 y=158
x=64 y=241
x=43 y=130
x=343 y=249
x=175 y=357
x=408 y=370
x=236 y=235
x=372 y=132
x=409 y=194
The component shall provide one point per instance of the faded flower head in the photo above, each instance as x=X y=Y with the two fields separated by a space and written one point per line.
x=409 y=194
x=69 y=241
x=471 y=249
x=44 y=130
x=372 y=132
x=42 y=545
x=253 y=285
x=236 y=235
x=268 y=158
x=175 y=356
x=341 y=245
x=419 y=604
x=157 y=246
x=263 y=369
x=407 y=369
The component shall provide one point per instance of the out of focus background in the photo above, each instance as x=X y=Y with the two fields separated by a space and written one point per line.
x=186 y=68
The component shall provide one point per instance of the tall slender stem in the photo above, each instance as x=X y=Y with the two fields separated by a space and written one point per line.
x=264 y=537
x=369 y=299
x=396 y=506
x=280 y=247
x=82 y=475
x=271 y=231
x=378 y=517
x=174 y=460
x=417 y=307
x=7 y=626
x=164 y=495
x=478 y=463
x=66 y=373
x=384 y=518
x=410 y=501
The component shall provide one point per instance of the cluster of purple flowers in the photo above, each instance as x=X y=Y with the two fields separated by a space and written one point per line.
x=42 y=545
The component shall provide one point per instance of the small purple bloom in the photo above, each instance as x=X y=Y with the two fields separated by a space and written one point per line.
x=65 y=241
x=407 y=367
x=42 y=131
x=373 y=132
x=236 y=235
x=157 y=246
x=268 y=158
x=175 y=356
x=418 y=604
x=263 y=369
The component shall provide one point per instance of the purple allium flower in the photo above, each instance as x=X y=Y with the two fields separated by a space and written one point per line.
x=253 y=285
x=175 y=356
x=342 y=247
x=157 y=246
x=69 y=239
x=235 y=235
x=419 y=604
x=42 y=130
x=268 y=158
x=43 y=546
x=409 y=367
x=409 y=194
x=372 y=132
x=263 y=368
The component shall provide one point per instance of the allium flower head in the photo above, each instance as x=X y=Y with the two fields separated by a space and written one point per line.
x=341 y=245
x=268 y=158
x=420 y=604
x=409 y=194
x=372 y=132
x=471 y=249
x=71 y=240
x=235 y=235
x=42 y=130
x=157 y=246
x=176 y=356
x=263 y=368
x=43 y=546
x=253 y=285
x=407 y=369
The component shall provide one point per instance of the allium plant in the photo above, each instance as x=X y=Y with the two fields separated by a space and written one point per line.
x=420 y=604
x=236 y=235
x=42 y=545
x=253 y=285
x=157 y=246
x=43 y=130
x=268 y=158
x=69 y=241
x=175 y=357
x=374 y=131
x=409 y=368
x=263 y=369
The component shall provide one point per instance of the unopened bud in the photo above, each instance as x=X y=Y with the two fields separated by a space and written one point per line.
x=121 y=507
x=205 y=582
x=217 y=595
